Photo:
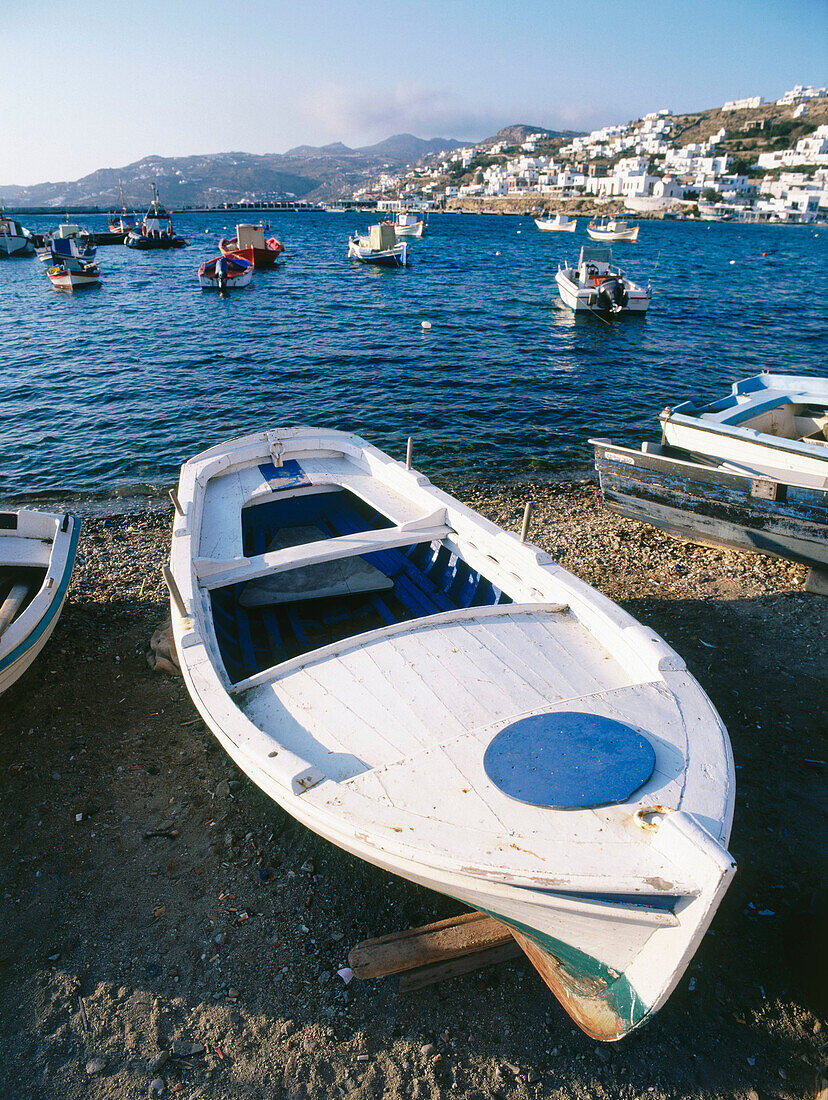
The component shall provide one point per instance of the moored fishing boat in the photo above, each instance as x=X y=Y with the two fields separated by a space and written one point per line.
x=595 y=286
x=613 y=230
x=442 y=700
x=69 y=245
x=73 y=274
x=225 y=273
x=37 y=553
x=15 y=239
x=156 y=229
x=708 y=503
x=249 y=244
x=770 y=424
x=559 y=223
x=408 y=225
x=378 y=246
x=123 y=222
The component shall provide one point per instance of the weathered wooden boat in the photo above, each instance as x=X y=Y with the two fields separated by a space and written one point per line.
x=249 y=244
x=558 y=223
x=705 y=502
x=613 y=230
x=435 y=696
x=156 y=229
x=15 y=239
x=225 y=273
x=408 y=225
x=770 y=424
x=595 y=286
x=378 y=246
x=37 y=553
x=73 y=275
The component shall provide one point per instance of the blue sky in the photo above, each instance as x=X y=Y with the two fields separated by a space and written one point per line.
x=87 y=84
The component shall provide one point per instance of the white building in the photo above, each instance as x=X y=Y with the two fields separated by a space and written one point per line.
x=743 y=104
x=799 y=94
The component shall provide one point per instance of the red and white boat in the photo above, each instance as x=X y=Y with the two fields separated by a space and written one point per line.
x=249 y=243
x=225 y=273
x=71 y=276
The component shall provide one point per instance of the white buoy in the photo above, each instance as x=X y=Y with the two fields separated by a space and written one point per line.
x=732 y=261
x=497 y=253
x=425 y=326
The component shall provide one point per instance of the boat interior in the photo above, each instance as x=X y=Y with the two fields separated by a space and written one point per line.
x=23 y=565
x=775 y=415
x=264 y=621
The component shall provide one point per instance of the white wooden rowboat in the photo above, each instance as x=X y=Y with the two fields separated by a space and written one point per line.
x=775 y=425
x=429 y=693
x=37 y=553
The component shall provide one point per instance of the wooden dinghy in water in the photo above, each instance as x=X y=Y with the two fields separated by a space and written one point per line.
x=429 y=693
x=37 y=553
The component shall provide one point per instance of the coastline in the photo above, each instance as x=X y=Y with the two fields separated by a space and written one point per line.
x=185 y=908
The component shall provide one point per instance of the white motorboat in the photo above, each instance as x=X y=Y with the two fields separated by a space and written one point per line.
x=595 y=286
x=72 y=275
x=37 y=553
x=69 y=245
x=772 y=425
x=431 y=694
x=378 y=246
x=613 y=230
x=408 y=225
x=560 y=223
x=15 y=239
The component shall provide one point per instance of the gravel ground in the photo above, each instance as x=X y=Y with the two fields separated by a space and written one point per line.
x=168 y=931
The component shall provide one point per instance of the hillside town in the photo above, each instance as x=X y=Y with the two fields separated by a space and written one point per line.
x=749 y=161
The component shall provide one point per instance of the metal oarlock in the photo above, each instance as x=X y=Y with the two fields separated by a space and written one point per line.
x=527 y=514
x=409 y=450
x=176 y=502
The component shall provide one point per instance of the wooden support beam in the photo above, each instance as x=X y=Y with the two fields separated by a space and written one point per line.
x=439 y=972
x=433 y=946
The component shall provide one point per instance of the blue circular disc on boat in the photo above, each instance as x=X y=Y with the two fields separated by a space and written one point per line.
x=569 y=760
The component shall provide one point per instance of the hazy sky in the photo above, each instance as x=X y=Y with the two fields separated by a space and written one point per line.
x=88 y=84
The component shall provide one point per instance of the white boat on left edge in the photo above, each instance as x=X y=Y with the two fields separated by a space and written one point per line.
x=560 y=223
x=595 y=286
x=37 y=553
x=429 y=693
x=15 y=239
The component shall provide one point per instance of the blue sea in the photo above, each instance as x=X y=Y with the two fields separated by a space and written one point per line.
x=108 y=390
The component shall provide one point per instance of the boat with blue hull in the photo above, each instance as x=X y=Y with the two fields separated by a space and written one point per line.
x=37 y=554
x=439 y=698
x=710 y=504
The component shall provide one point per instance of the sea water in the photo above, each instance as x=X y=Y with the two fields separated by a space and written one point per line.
x=109 y=389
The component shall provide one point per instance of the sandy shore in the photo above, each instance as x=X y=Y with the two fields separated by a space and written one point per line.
x=168 y=931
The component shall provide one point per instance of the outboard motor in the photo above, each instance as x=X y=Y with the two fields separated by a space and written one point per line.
x=612 y=295
x=222 y=271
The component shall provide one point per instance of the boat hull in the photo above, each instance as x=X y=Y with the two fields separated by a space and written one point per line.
x=585 y=299
x=147 y=244
x=410 y=230
x=715 y=507
x=614 y=235
x=68 y=278
x=17 y=653
x=260 y=258
x=12 y=245
x=389 y=257
x=549 y=225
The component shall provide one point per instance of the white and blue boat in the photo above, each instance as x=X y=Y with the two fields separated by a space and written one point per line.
x=15 y=239
x=771 y=425
x=439 y=698
x=37 y=553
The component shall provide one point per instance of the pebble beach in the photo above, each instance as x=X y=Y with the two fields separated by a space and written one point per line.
x=169 y=931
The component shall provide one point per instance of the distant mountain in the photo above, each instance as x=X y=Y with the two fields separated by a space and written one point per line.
x=407 y=148
x=520 y=132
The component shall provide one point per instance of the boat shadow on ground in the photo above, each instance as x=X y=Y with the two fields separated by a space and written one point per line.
x=143 y=873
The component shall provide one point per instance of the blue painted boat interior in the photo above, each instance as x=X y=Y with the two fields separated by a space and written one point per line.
x=428 y=579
